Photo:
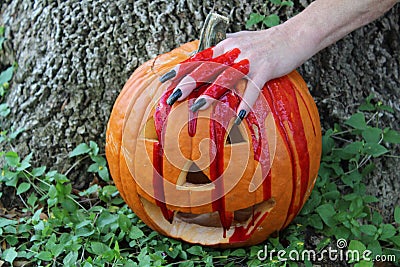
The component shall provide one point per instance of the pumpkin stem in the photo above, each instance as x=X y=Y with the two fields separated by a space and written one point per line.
x=213 y=31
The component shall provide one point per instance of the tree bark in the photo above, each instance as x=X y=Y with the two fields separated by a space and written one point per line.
x=75 y=56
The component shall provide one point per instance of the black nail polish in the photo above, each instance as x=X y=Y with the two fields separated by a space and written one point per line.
x=174 y=96
x=198 y=104
x=169 y=75
x=240 y=117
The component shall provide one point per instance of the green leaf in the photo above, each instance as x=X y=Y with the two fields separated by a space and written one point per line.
x=332 y=195
x=45 y=256
x=326 y=212
x=71 y=259
x=376 y=218
x=79 y=150
x=135 y=232
x=357 y=121
x=353 y=148
x=375 y=247
x=5 y=222
x=397 y=214
x=391 y=136
x=4 y=110
x=327 y=144
x=32 y=200
x=385 y=108
x=374 y=149
x=15 y=133
x=368 y=229
x=124 y=223
x=93 y=167
x=25 y=162
x=364 y=263
x=396 y=240
x=272 y=20
x=103 y=173
x=366 y=107
x=287 y=3
x=323 y=243
x=238 y=253
x=23 y=187
x=94 y=147
x=254 y=18
x=352 y=178
x=388 y=231
x=36 y=172
x=370 y=199
x=99 y=248
x=315 y=221
x=106 y=219
x=12 y=158
x=196 y=250
x=357 y=245
x=6 y=75
x=9 y=255
x=276 y=2
x=372 y=134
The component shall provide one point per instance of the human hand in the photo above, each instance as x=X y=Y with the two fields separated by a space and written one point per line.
x=272 y=53
x=261 y=55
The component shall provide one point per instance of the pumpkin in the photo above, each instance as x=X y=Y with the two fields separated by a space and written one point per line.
x=201 y=178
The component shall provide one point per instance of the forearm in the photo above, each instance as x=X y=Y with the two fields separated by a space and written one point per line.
x=324 y=22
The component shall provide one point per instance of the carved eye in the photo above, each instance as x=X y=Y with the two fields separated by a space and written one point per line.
x=235 y=136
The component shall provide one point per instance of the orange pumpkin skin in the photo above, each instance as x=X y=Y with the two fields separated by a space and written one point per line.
x=256 y=199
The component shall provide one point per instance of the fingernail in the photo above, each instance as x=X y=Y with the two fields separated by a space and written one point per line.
x=169 y=75
x=240 y=117
x=198 y=104
x=174 y=96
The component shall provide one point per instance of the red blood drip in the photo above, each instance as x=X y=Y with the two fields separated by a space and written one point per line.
x=192 y=124
x=309 y=113
x=228 y=79
x=281 y=97
x=221 y=115
x=158 y=182
x=194 y=61
x=252 y=215
x=209 y=71
x=256 y=121
x=242 y=233
x=160 y=117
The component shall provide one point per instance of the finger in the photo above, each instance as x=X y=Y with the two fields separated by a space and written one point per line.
x=250 y=96
x=227 y=79
x=184 y=67
x=224 y=82
x=204 y=73
x=202 y=103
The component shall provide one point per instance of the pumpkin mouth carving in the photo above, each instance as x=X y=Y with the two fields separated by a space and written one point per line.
x=196 y=226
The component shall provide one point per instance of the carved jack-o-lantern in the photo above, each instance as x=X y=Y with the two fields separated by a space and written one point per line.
x=201 y=178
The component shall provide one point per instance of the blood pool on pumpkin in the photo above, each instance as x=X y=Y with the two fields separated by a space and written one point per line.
x=197 y=176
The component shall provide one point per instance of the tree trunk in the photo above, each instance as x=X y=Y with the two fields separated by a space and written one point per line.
x=75 y=56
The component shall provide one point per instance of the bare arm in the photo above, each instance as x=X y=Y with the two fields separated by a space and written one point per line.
x=324 y=22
